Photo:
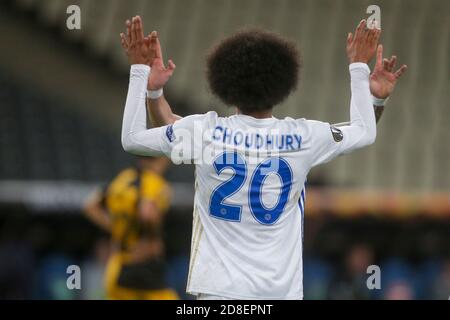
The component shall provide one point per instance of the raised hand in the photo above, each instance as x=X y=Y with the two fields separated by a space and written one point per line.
x=160 y=74
x=383 y=78
x=135 y=45
x=146 y=50
x=361 y=47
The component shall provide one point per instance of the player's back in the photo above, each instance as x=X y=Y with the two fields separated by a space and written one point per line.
x=248 y=215
x=250 y=175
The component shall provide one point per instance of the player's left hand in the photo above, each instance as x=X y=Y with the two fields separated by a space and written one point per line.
x=383 y=78
x=160 y=74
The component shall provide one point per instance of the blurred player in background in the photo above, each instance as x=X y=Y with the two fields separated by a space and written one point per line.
x=132 y=208
x=251 y=167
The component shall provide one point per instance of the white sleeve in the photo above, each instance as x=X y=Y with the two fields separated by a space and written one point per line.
x=180 y=141
x=329 y=141
x=136 y=139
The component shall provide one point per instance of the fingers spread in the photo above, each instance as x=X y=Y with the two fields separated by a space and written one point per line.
x=147 y=41
x=155 y=46
x=386 y=64
x=371 y=35
x=171 y=65
x=139 y=30
x=392 y=63
x=123 y=41
x=153 y=36
x=401 y=71
x=128 y=24
x=377 y=34
x=379 y=55
x=170 y=68
x=360 y=29
x=133 y=31
x=158 y=49
x=349 y=38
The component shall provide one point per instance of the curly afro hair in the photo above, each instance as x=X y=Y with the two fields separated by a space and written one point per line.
x=253 y=70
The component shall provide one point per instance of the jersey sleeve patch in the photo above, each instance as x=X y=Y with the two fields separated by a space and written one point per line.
x=170 y=134
x=336 y=133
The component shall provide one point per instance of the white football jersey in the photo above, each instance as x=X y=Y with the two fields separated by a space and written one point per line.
x=249 y=188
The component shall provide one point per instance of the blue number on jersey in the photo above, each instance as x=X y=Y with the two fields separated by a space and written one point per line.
x=281 y=168
x=234 y=161
x=217 y=207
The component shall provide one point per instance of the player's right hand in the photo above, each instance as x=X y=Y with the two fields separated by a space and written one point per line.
x=146 y=50
x=361 y=47
x=135 y=45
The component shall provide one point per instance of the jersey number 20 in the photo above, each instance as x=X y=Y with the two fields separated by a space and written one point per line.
x=232 y=212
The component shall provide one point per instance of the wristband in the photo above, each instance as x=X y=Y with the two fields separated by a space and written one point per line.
x=379 y=102
x=155 y=94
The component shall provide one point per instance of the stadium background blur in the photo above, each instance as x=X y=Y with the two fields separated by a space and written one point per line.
x=61 y=100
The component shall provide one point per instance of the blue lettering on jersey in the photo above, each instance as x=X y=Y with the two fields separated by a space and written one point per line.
x=217 y=131
x=286 y=142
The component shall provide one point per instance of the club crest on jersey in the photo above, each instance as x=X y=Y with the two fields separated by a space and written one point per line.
x=337 y=134
x=169 y=133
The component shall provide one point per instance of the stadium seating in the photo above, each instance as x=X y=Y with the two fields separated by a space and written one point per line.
x=39 y=141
